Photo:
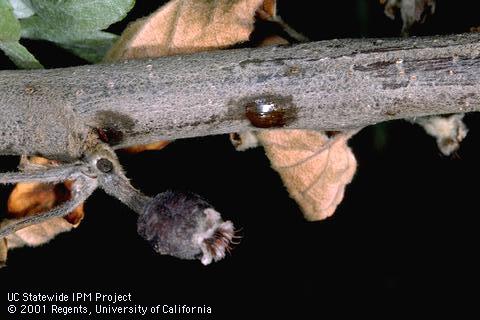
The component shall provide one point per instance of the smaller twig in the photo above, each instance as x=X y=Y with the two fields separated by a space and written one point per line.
x=52 y=175
x=119 y=187
x=82 y=189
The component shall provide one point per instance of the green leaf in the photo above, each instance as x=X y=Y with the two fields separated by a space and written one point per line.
x=64 y=21
x=10 y=34
x=93 y=48
x=20 y=55
x=22 y=8
x=9 y=25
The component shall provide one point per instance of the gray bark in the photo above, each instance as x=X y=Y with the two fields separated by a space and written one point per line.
x=326 y=85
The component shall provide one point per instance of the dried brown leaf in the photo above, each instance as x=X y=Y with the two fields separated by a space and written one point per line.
x=38 y=234
x=147 y=147
x=269 y=7
x=186 y=26
x=314 y=167
x=273 y=40
x=32 y=198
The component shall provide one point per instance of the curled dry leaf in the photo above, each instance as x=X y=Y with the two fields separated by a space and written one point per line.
x=32 y=198
x=412 y=11
x=314 y=167
x=38 y=234
x=269 y=7
x=147 y=147
x=186 y=26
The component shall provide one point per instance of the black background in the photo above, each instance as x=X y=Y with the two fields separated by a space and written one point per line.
x=405 y=233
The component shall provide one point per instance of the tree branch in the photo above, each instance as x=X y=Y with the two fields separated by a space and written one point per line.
x=326 y=85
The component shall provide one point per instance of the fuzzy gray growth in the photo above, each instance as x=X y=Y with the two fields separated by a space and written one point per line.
x=184 y=225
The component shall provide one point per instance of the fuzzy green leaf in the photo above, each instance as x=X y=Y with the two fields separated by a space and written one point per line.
x=64 y=21
x=9 y=25
x=22 y=8
x=92 y=48
x=20 y=55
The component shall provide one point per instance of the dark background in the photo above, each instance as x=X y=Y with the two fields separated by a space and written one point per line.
x=405 y=233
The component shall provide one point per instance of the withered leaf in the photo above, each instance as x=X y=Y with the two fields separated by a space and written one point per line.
x=147 y=147
x=32 y=198
x=185 y=26
x=269 y=7
x=314 y=167
x=38 y=234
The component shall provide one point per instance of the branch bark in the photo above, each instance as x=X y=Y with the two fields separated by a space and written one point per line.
x=326 y=85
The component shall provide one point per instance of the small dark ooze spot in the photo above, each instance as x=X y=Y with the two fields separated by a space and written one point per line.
x=111 y=126
x=104 y=165
x=109 y=135
x=269 y=111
